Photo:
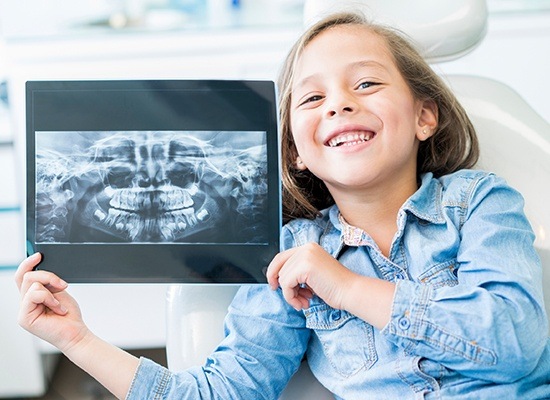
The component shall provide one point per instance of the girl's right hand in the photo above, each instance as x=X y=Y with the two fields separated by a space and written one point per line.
x=47 y=310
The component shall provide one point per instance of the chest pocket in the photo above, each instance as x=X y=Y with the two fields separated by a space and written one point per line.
x=439 y=275
x=347 y=341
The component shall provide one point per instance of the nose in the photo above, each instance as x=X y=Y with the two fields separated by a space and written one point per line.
x=150 y=174
x=151 y=171
x=340 y=104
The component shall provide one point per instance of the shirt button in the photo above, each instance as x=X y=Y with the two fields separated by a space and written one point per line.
x=404 y=323
x=335 y=316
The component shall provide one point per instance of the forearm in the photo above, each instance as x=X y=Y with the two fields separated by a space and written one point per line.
x=469 y=329
x=370 y=299
x=112 y=367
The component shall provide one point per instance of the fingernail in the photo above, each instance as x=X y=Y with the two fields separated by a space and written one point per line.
x=35 y=256
x=62 y=283
x=63 y=310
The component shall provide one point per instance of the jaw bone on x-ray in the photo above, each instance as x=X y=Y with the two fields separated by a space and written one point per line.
x=150 y=187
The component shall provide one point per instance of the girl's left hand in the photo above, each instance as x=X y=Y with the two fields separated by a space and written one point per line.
x=304 y=271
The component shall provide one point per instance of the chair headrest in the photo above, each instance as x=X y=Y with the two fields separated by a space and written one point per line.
x=442 y=30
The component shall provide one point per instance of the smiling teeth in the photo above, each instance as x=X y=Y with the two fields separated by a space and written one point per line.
x=349 y=139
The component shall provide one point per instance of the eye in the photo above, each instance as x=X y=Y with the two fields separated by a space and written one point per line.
x=366 y=85
x=311 y=99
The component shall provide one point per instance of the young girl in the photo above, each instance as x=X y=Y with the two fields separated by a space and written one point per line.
x=403 y=273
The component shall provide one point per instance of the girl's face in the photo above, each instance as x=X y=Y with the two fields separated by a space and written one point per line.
x=354 y=120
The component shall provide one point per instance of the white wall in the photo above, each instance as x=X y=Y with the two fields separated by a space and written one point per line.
x=516 y=51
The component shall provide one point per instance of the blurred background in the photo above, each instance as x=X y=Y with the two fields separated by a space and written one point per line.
x=174 y=39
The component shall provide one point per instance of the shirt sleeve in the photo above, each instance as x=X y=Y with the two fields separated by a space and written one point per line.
x=491 y=325
x=265 y=341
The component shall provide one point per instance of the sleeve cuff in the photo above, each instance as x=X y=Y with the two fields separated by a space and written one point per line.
x=150 y=379
x=410 y=328
x=408 y=310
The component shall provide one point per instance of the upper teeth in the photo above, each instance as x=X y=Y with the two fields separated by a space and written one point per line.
x=349 y=139
x=137 y=199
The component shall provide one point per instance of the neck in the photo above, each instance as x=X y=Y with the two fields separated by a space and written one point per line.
x=375 y=209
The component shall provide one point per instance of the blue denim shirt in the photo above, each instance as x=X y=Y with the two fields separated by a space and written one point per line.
x=467 y=321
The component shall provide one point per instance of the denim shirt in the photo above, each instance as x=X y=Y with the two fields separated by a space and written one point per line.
x=467 y=320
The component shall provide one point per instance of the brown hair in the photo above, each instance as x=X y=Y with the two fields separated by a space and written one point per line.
x=453 y=145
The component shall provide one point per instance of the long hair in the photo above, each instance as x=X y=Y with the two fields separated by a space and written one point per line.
x=452 y=146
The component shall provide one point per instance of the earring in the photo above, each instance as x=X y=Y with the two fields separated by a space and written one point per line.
x=424 y=131
x=300 y=164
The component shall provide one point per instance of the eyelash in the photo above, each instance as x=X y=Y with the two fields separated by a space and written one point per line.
x=319 y=97
x=370 y=84
x=312 y=99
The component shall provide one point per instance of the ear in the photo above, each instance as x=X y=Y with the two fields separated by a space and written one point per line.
x=300 y=165
x=427 y=120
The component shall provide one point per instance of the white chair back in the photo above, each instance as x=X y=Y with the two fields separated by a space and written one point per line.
x=515 y=144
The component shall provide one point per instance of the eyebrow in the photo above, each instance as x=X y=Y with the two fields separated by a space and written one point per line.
x=352 y=66
x=368 y=64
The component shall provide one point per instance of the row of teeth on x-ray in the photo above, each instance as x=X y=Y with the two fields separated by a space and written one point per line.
x=170 y=223
x=163 y=198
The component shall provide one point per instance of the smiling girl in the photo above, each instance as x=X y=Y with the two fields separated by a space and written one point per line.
x=404 y=274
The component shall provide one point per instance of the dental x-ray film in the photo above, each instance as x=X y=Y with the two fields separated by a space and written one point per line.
x=153 y=181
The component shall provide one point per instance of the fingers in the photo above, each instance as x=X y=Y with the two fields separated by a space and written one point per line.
x=39 y=295
x=295 y=293
x=275 y=266
x=297 y=296
x=305 y=271
x=27 y=265
x=48 y=280
x=35 y=304
x=25 y=276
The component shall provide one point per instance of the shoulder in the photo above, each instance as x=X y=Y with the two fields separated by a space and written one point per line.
x=459 y=194
x=468 y=192
x=301 y=231
x=463 y=187
x=464 y=180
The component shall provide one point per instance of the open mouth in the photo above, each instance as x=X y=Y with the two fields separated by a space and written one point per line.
x=350 y=139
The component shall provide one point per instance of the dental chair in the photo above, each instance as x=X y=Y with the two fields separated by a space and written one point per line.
x=514 y=141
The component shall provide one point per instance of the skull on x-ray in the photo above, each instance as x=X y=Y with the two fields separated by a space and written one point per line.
x=151 y=187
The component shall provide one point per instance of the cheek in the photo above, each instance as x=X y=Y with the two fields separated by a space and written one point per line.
x=303 y=129
x=403 y=119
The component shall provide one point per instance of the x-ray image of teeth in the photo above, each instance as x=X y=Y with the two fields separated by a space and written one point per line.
x=151 y=187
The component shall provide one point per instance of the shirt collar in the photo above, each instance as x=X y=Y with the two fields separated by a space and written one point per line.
x=351 y=235
x=425 y=204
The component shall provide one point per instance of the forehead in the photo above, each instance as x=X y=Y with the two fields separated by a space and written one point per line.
x=352 y=40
